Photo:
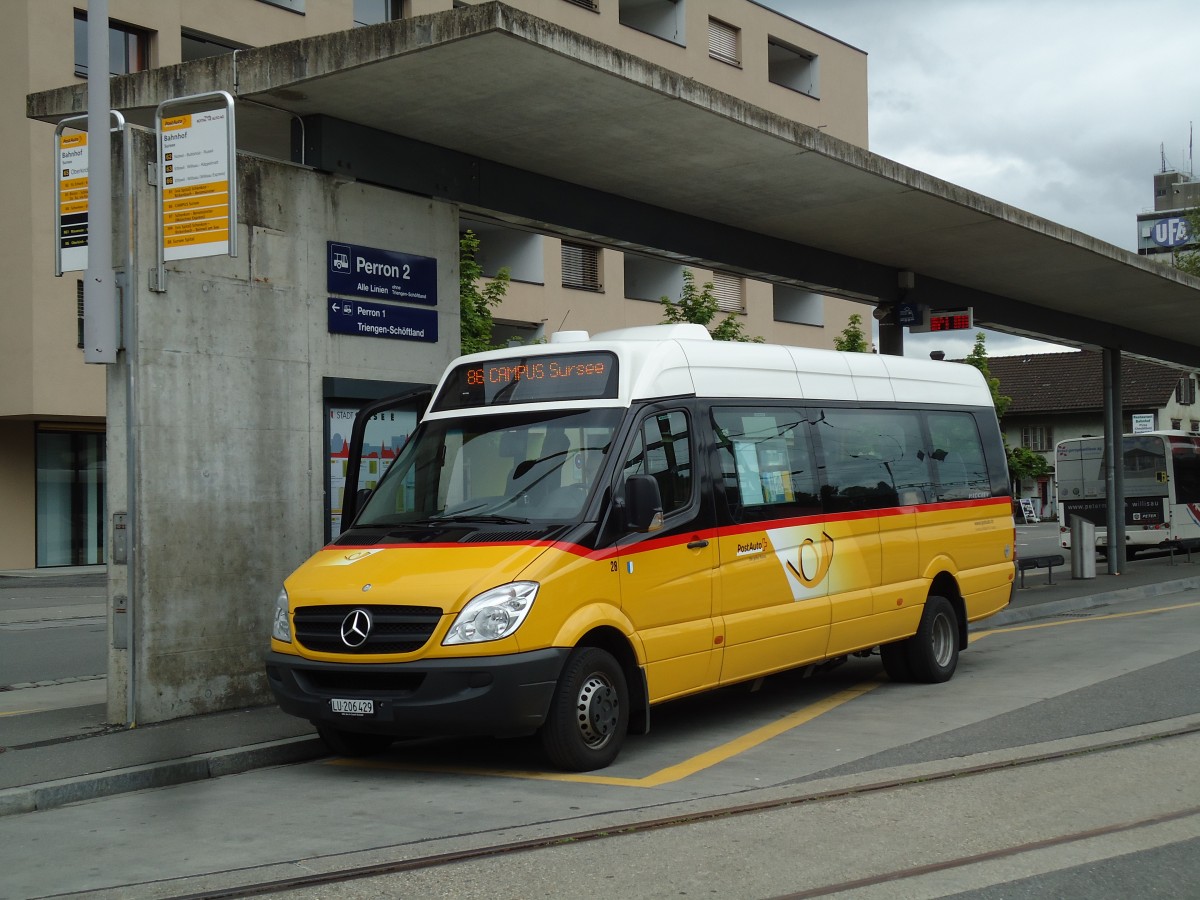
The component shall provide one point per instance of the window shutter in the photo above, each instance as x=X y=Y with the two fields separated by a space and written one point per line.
x=723 y=42
x=727 y=289
x=580 y=267
x=1185 y=391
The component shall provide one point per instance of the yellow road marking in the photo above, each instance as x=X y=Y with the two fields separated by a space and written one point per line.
x=738 y=745
x=668 y=775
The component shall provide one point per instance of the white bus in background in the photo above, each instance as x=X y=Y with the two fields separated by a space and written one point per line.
x=1162 y=488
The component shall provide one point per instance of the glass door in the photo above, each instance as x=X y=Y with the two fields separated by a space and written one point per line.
x=70 y=498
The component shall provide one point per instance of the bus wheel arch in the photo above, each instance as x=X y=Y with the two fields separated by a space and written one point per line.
x=617 y=645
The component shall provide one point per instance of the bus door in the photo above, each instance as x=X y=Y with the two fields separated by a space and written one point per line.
x=773 y=598
x=667 y=575
x=858 y=453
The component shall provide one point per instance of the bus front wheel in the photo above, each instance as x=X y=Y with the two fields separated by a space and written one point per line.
x=589 y=713
x=932 y=653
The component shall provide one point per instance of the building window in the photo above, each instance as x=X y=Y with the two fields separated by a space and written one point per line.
x=1176 y=424
x=729 y=292
x=724 y=42
x=580 y=267
x=194 y=45
x=520 y=252
x=372 y=12
x=128 y=47
x=1195 y=425
x=792 y=67
x=661 y=18
x=1185 y=391
x=797 y=306
x=650 y=278
x=586 y=4
x=296 y=6
x=1035 y=437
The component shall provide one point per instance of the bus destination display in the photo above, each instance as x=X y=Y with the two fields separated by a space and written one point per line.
x=530 y=379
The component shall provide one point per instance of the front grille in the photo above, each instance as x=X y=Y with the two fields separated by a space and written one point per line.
x=358 y=684
x=394 y=629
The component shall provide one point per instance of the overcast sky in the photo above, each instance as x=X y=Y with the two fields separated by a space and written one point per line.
x=1058 y=107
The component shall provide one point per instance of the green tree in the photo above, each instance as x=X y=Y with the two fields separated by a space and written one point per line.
x=978 y=358
x=477 y=301
x=852 y=339
x=700 y=307
x=1024 y=463
x=1189 y=260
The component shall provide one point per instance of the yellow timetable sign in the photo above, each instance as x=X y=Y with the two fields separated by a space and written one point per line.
x=72 y=165
x=194 y=167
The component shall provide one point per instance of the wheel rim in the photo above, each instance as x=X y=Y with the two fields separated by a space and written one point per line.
x=598 y=709
x=943 y=640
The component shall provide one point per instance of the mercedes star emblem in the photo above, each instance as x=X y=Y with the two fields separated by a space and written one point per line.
x=355 y=628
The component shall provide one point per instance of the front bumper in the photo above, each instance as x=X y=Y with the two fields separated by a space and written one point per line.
x=486 y=695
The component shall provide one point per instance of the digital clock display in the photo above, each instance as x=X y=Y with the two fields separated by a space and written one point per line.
x=530 y=379
x=950 y=321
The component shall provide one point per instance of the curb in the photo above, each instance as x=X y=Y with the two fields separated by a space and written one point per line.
x=1054 y=607
x=52 y=794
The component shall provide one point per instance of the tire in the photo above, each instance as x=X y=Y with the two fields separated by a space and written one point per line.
x=895 y=662
x=354 y=743
x=933 y=651
x=589 y=713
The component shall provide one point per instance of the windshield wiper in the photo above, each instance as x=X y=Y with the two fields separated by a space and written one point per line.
x=482 y=517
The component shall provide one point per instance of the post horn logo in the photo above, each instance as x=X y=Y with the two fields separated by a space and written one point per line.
x=814 y=560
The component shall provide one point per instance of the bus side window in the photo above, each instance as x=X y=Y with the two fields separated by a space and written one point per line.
x=767 y=469
x=873 y=459
x=957 y=455
x=662 y=448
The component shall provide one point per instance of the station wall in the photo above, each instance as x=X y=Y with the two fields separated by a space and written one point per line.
x=216 y=424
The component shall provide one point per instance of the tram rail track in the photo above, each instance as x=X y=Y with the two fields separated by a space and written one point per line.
x=609 y=830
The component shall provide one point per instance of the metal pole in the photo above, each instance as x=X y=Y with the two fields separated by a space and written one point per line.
x=1112 y=445
x=99 y=293
x=1118 y=543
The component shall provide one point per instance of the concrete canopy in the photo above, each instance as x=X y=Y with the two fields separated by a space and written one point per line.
x=552 y=129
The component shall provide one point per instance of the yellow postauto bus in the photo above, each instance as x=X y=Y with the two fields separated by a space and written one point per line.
x=581 y=530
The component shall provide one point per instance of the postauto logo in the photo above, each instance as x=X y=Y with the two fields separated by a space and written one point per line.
x=1171 y=232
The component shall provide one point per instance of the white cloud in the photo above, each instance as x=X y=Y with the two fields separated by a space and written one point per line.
x=1056 y=107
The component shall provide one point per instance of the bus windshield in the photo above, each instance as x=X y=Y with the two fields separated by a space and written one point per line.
x=520 y=467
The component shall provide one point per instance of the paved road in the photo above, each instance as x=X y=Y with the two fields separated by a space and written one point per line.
x=1070 y=681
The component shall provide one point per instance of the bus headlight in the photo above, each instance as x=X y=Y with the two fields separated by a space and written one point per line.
x=494 y=614
x=281 y=629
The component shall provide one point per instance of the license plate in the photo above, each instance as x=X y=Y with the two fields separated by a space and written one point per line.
x=354 y=707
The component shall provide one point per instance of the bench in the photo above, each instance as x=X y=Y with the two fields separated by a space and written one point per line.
x=1039 y=562
x=1185 y=544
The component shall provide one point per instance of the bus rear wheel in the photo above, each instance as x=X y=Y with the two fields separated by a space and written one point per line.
x=589 y=713
x=932 y=653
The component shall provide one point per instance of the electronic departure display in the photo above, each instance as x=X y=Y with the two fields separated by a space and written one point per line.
x=530 y=379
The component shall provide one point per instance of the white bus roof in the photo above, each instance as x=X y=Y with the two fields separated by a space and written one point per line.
x=683 y=360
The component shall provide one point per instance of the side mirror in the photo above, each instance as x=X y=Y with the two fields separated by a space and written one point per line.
x=643 y=503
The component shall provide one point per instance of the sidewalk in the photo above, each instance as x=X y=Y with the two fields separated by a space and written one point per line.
x=55 y=747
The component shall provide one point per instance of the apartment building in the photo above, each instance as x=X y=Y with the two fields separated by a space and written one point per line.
x=52 y=404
